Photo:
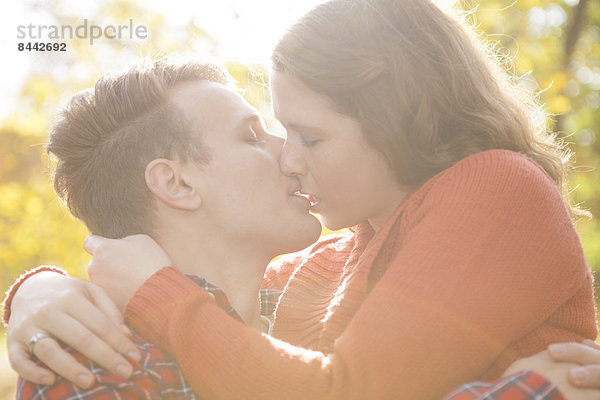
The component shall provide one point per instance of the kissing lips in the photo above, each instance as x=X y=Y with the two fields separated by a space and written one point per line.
x=301 y=197
x=314 y=201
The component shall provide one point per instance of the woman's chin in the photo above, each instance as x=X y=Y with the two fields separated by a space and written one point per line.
x=333 y=224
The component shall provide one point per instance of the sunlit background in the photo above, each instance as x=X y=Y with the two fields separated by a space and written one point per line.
x=553 y=44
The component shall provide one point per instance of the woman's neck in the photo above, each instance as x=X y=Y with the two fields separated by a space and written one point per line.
x=387 y=208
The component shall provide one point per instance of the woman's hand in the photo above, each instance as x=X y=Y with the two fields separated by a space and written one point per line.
x=120 y=266
x=573 y=367
x=75 y=312
x=586 y=355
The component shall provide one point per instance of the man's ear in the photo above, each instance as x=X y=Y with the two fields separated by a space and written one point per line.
x=169 y=182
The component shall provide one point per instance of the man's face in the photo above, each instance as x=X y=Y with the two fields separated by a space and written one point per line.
x=244 y=194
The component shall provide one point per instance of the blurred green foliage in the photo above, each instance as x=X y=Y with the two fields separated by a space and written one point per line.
x=552 y=45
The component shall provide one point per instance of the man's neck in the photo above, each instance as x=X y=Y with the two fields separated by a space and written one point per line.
x=237 y=269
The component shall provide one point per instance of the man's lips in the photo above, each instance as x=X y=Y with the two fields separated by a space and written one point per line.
x=311 y=198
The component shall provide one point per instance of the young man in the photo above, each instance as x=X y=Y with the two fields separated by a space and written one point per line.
x=171 y=150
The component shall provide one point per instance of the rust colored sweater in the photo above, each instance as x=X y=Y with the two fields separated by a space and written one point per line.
x=479 y=266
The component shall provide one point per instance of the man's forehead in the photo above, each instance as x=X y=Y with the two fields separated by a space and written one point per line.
x=206 y=102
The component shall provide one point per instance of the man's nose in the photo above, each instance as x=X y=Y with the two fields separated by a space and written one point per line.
x=275 y=145
x=291 y=160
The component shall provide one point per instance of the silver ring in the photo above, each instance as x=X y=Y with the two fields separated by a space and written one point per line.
x=36 y=338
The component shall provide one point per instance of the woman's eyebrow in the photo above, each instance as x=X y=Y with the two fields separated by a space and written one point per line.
x=299 y=127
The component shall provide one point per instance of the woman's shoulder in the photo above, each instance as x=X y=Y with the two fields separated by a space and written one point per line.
x=490 y=183
x=495 y=173
x=498 y=164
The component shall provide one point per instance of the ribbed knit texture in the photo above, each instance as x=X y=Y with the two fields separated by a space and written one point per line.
x=479 y=266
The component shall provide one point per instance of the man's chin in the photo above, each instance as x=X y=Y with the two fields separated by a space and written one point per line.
x=305 y=235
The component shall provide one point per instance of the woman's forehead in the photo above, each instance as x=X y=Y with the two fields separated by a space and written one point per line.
x=294 y=103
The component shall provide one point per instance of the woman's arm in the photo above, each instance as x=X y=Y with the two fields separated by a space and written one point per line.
x=441 y=307
x=569 y=353
x=78 y=313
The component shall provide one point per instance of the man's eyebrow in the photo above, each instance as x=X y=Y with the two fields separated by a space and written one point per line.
x=250 y=118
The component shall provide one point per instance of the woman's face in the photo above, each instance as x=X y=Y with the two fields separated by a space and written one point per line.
x=245 y=197
x=347 y=180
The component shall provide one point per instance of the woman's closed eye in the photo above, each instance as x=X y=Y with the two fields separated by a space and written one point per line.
x=306 y=137
x=309 y=142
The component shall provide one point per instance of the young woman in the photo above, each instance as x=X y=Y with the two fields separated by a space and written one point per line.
x=463 y=257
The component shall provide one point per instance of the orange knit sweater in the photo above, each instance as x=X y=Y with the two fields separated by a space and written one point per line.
x=479 y=266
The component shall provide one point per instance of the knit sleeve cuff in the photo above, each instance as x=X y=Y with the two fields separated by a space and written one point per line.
x=149 y=309
x=10 y=293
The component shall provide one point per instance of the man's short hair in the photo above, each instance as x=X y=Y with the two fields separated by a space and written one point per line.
x=106 y=136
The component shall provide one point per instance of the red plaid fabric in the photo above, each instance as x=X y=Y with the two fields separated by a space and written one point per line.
x=156 y=376
x=268 y=301
x=524 y=385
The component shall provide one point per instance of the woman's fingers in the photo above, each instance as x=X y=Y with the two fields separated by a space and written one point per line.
x=93 y=242
x=585 y=376
x=73 y=312
x=120 y=266
x=578 y=353
x=20 y=361
x=587 y=355
x=81 y=335
x=592 y=344
x=56 y=358
x=114 y=337
x=105 y=304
